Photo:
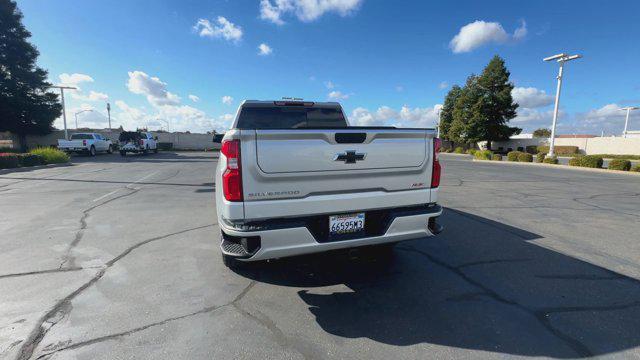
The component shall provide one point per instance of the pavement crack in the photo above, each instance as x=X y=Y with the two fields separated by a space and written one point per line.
x=52 y=317
x=205 y=310
x=38 y=272
x=581 y=277
x=541 y=316
x=489 y=262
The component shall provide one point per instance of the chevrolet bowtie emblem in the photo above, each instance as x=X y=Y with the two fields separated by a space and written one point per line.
x=349 y=157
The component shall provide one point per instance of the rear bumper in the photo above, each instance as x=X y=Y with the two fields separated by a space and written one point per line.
x=298 y=236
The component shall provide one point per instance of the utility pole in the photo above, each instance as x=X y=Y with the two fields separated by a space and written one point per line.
x=64 y=112
x=109 y=114
x=626 y=121
x=561 y=58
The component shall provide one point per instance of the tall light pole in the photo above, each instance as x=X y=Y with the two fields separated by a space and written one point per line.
x=76 y=115
x=109 y=114
x=438 y=125
x=626 y=121
x=560 y=58
x=64 y=112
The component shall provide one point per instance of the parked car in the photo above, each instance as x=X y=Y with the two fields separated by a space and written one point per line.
x=137 y=142
x=88 y=143
x=294 y=178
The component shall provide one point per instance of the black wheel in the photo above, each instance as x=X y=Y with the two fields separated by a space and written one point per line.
x=123 y=153
x=110 y=150
x=155 y=151
x=146 y=150
x=92 y=151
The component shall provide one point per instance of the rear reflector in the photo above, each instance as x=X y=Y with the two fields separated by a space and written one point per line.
x=437 y=169
x=232 y=176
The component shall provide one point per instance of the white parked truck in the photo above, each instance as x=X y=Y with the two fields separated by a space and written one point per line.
x=294 y=178
x=137 y=142
x=89 y=143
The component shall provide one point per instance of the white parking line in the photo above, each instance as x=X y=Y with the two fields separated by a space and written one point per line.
x=126 y=186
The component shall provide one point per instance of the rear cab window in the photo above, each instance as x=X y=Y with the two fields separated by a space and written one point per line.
x=290 y=115
x=81 y=136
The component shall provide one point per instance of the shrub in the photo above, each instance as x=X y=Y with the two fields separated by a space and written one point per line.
x=591 y=161
x=51 y=155
x=8 y=161
x=496 y=157
x=525 y=157
x=550 y=160
x=604 y=156
x=459 y=150
x=619 y=164
x=471 y=151
x=30 y=160
x=575 y=161
x=636 y=168
x=483 y=154
x=540 y=157
x=560 y=150
x=513 y=156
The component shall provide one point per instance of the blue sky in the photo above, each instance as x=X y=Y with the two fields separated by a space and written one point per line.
x=386 y=62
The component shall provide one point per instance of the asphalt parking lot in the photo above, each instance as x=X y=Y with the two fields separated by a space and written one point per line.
x=116 y=258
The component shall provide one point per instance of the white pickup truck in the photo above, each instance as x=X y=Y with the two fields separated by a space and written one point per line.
x=89 y=143
x=294 y=178
x=137 y=142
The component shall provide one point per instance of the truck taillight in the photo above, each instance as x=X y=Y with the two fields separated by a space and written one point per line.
x=437 y=169
x=141 y=142
x=84 y=142
x=232 y=176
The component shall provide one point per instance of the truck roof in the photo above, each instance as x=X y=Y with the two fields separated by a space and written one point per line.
x=285 y=102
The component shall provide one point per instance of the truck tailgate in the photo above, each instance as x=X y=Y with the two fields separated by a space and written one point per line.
x=311 y=171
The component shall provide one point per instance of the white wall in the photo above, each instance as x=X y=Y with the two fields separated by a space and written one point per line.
x=588 y=146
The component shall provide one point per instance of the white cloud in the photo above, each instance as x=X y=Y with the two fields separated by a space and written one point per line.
x=227 y=100
x=264 y=49
x=405 y=117
x=93 y=96
x=223 y=29
x=337 y=95
x=605 y=112
x=305 y=10
x=531 y=97
x=478 y=33
x=74 y=79
x=194 y=98
x=155 y=90
x=399 y=88
x=443 y=85
x=329 y=84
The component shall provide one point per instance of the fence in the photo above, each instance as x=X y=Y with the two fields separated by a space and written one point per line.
x=588 y=146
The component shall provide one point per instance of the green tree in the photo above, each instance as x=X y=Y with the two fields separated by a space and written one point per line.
x=542 y=133
x=26 y=106
x=446 y=114
x=485 y=106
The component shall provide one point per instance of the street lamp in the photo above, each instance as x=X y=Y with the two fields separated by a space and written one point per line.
x=80 y=112
x=64 y=112
x=560 y=58
x=626 y=121
x=438 y=125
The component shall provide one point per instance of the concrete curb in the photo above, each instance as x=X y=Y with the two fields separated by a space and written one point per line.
x=455 y=154
x=563 y=167
x=30 y=168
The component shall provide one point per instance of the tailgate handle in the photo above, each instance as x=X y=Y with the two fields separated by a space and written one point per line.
x=350 y=138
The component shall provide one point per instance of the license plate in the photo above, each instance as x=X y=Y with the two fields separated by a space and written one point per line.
x=346 y=224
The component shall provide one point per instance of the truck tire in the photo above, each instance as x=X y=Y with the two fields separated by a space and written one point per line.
x=155 y=151
x=110 y=150
x=146 y=150
x=92 y=151
x=123 y=153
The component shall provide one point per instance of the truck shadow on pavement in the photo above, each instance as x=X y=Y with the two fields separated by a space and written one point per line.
x=480 y=285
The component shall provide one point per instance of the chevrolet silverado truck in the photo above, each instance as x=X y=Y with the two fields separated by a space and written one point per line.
x=89 y=143
x=137 y=142
x=294 y=178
